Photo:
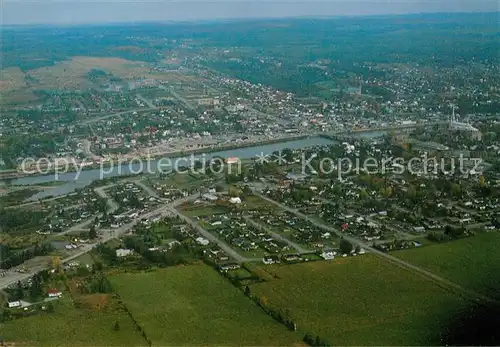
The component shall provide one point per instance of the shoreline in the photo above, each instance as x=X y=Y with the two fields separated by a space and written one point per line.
x=14 y=174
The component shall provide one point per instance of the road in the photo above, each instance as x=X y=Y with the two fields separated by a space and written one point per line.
x=147 y=189
x=225 y=247
x=469 y=294
x=97 y=119
x=112 y=204
x=277 y=236
x=178 y=97
x=36 y=202
x=14 y=277
x=146 y=101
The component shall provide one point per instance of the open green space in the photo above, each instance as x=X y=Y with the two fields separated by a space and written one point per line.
x=194 y=305
x=70 y=326
x=202 y=210
x=473 y=262
x=359 y=301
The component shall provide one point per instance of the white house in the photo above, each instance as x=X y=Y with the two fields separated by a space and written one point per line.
x=328 y=255
x=54 y=293
x=235 y=200
x=123 y=252
x=202 y=241
x=14 y=304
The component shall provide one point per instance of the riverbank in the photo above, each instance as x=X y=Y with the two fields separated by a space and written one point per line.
x=14 y=174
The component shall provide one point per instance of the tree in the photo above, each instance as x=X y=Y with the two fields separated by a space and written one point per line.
x=92 y=233
x=412 y=192
x=345 y=246
x=263 y=301
x=235 y=192
x=116 y=327
x=19 y=291
x=482 y=181
x=247 y=190
x=36 y=287
x=363 y=194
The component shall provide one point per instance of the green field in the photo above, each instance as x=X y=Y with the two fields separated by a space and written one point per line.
x=194 y=305
x=473 y=262
x=202 y=210
x=359 y=301
x=70 y=326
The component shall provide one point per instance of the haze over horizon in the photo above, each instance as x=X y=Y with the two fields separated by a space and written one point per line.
x=23 y=12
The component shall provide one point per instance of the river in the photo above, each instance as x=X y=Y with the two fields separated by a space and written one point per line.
x=73 y=180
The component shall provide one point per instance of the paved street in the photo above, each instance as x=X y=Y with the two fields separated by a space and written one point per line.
x=226 y=248
x=298 y=248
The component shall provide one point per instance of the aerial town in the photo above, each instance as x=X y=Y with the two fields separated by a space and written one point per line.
x=185 y=201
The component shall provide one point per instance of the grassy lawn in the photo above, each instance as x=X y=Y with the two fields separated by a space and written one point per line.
x=70 y=326
x=203 y=210
x=473 y=262
x=359 y=301
x=194 y=305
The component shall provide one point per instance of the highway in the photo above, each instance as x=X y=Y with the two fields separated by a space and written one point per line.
x=469 y=294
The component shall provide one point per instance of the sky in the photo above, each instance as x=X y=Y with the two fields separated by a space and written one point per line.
x=94 y=11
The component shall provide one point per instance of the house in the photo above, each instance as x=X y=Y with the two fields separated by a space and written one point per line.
x=123 y=252
x=54 y=293
x=328 y=255
x=210 y=197
x=292 y=257
x=270 y=259
x=14 y=304
x=296 y=177
x=230 y=266
x=202 y=241
x=235 y=201
x=173 y=243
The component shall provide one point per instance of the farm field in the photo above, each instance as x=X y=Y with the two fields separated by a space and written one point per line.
x=194 y=305
x=70 y=326
x=473 y=262
x=359 y=301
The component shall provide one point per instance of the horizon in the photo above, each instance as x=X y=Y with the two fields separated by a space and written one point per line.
x=89 y=12
x=244 y=19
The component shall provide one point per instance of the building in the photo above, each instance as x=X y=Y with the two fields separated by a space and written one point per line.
x=270 y=259
x=123 y=252
x=328 y=255
x=210 y=197
x=14 y=304
x=208 y=102
x=54 y=293
x=202 y=241
x=235 y=201
x=230 y=266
